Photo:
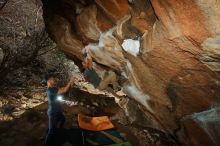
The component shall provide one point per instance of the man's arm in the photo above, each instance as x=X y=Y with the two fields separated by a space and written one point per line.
x=87 y=63
x=67 y=87
x=90 y=61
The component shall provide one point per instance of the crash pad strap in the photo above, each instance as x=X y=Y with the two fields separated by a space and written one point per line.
x=91 y=142
x=113 y=138
x=106 y=137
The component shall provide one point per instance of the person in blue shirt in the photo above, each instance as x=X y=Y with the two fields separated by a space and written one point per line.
x=55 y=114
x=98 y=82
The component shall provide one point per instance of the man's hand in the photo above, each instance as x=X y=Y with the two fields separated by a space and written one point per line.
x=67 y=87
x=87 y=62
x=72 y=79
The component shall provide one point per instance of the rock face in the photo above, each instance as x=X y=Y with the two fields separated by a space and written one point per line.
x=22 y=33
x=173 y=75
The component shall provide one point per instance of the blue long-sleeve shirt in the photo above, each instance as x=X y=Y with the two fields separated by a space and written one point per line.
x=54 y=105
x=92 y=77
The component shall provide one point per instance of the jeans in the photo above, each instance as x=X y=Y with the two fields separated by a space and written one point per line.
x=56 y=120
x=110 y=78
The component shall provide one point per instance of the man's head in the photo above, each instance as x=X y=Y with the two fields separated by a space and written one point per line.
x=50 y=80
x=87 y=62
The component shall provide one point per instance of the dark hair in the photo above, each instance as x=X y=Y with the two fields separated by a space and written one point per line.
x=47 y=77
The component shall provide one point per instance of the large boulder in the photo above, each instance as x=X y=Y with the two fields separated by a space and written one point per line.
x=22 y=32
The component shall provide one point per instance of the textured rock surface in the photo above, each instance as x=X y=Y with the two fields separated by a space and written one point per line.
x=22 y=32
x=87 y=24
x=174 y=77
x=175 y=73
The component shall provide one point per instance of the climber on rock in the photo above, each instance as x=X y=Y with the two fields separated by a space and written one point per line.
x=55 y=114
x=91 y=76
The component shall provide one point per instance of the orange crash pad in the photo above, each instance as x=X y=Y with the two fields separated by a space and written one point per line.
x=94 y=123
